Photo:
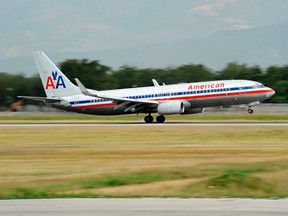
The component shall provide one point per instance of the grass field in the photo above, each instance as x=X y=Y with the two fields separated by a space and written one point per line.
x=140 y=161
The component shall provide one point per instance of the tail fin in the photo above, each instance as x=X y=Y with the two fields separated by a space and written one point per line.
x=55 y=83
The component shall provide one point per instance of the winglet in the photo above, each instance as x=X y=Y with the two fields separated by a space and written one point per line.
x=82 y=87
x=155 y=83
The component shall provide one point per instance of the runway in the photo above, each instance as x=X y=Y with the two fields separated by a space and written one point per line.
x=142 y=124
x=145 y=206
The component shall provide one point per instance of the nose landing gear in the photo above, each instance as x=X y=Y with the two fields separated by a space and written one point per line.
x=250 y=111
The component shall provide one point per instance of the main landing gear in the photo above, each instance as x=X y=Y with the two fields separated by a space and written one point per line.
x=149 y=119
x=160 y=119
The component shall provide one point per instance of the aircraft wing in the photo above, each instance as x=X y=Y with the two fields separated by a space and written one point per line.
x=44 y=99
x=120 y=101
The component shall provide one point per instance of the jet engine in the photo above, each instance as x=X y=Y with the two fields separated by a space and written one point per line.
x=171 y=107
x=193 y=111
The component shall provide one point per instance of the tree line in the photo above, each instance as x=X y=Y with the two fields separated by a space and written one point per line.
x=95 y=75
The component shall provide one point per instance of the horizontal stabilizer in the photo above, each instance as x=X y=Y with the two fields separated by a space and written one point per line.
x=44 y=99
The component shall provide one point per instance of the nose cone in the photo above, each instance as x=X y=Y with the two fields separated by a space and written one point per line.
x=270 y=93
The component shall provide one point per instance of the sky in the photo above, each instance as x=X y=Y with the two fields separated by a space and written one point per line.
x=69 y=27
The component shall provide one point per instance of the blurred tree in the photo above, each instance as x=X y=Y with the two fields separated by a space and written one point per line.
x=193 y=73
x=234 y=70
x=91 y=73
x=125 y=77
x=128 y=76
x=281 y=89
x=97 y=76
x=275 y=73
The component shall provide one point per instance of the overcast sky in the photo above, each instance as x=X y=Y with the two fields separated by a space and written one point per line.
x=85 y=25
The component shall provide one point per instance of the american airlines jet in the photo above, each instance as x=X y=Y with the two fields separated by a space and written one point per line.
x=188 y=98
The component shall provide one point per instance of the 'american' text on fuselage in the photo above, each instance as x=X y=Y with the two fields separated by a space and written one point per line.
x=205 y=86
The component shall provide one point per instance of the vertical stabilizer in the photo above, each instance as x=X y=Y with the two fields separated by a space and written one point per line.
x=55 y=83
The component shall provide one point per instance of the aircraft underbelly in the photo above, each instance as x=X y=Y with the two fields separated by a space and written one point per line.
x=105 y=111
x=208 y=102
x=248 y=98
x=93 y=111
x=227 y=101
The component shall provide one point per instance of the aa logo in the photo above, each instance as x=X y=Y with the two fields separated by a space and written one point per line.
x=55 y=81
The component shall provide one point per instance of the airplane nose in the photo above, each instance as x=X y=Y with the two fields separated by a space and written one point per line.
x=270 y=93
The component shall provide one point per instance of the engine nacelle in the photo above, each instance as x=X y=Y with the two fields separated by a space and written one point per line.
x=193 y=111
x=171 y=107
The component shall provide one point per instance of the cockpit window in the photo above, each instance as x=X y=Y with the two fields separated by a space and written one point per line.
x=258 y=85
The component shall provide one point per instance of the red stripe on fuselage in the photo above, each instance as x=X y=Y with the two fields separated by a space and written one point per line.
x=94 y=106
x=213 y=95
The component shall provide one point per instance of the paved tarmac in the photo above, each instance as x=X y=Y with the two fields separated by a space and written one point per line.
x=144 y=206
x=127 y=124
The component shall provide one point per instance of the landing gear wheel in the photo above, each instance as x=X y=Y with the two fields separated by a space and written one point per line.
x=160 y=119
x=250 y=111
x=148 y=119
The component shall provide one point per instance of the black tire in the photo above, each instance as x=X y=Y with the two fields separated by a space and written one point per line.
x=250 y=111
x=148 y=119
x=160 y=119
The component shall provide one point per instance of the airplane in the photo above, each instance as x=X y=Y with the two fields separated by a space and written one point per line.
x=185 y=98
